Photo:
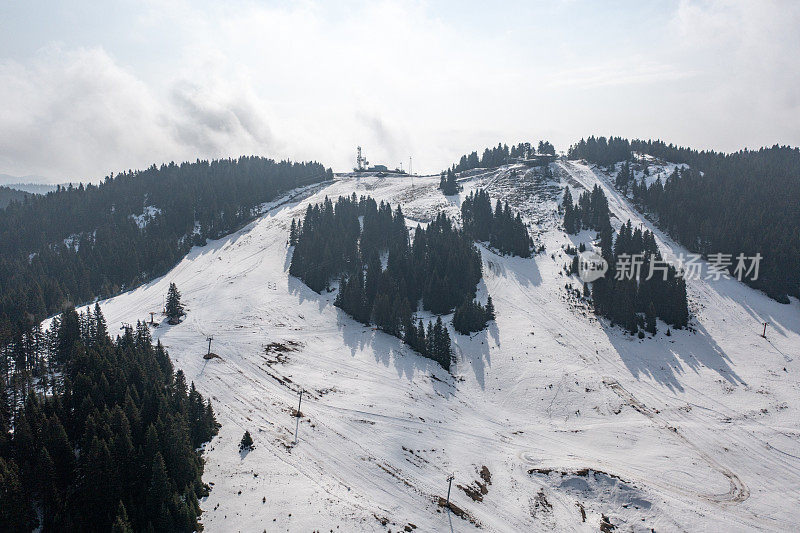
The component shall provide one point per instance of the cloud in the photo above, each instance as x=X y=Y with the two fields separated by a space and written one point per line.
x=745 y=50
x=311 y=80
x=79 y=114
x=633 y=72
x=68 y=111
x=211 y=122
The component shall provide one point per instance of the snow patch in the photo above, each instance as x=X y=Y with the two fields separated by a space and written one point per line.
x=150 y=212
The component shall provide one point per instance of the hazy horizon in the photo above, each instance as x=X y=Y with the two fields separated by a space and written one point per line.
x=93 y=90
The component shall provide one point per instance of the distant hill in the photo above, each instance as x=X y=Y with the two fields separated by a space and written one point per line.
x=7 y=179
x=33 y=188
x=31 y=183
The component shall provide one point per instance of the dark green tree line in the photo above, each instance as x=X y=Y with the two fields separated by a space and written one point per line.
x=78 y=243
x=625 y=298
x=472 y=316
x=500 y=155
x=743 y=202
x=107 y=441
x=504 y=230
x=8 y=195
x=437 y=271
x=633 y=297
x=590 y=212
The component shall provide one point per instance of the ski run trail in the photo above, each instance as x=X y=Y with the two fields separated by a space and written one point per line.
x=549 y=419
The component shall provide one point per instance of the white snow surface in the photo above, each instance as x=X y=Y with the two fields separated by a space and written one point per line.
x=574 y=419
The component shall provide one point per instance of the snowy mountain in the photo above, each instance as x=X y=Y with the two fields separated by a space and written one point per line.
x=550 y=417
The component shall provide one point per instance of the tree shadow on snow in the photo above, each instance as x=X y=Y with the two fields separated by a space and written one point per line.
x=585 y=237
x=287 y=260
x=474 y=350
x=494 y=331
x=664 y=359
x=356 y=335
x=780 y=318
x=303 y=292
x=389 y=350
x=525 y=271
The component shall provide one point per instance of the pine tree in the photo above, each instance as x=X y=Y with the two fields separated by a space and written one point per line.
x=16 y=513
x=570 y=225
x=5 y=408
x=121 y=523
x=157 y=496
x=174 y=309
x=422 y=341
x=100 y=328
x=45 y=474
x=441 y=344
x=448 y=183
x=410 y=333
x=247 y=442
x=650 y=323
x=180 y=391
x=293 y=234
x=567 y=199
x=69 y=333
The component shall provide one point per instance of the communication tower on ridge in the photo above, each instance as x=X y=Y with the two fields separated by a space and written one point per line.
x=361 y=162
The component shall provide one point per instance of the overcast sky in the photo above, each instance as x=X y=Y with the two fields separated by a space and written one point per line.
x=91 y=88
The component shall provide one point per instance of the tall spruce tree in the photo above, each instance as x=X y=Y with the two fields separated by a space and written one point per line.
x=174 y=309
x=448 y=183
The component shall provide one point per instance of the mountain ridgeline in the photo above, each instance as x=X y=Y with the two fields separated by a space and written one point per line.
x=78 y=243
x=740 y=203
x=500 y=155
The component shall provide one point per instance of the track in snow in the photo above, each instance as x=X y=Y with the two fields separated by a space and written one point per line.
x=546 y=385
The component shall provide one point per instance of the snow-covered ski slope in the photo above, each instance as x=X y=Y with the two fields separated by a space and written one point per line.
x=576 y=422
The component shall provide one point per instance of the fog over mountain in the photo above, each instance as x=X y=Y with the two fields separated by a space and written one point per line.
x=90 y=90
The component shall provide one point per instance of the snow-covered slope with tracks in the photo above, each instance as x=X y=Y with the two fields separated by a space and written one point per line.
x=575 y=422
